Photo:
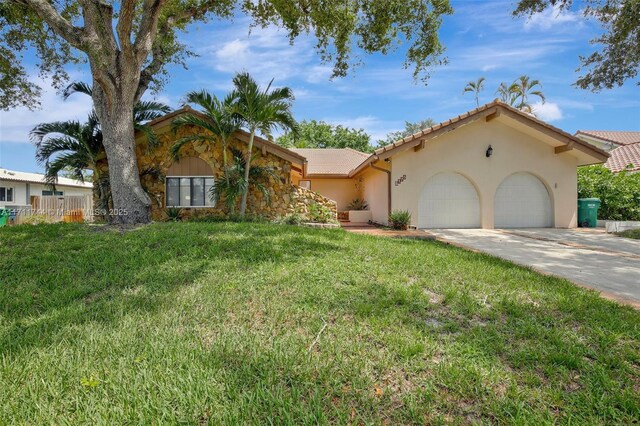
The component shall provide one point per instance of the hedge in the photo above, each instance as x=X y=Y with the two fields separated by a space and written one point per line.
x=618 y=192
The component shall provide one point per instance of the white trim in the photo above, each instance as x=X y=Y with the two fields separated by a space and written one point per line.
x=167 y=206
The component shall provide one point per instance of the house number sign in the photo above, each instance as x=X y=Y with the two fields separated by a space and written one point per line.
x=401 y=179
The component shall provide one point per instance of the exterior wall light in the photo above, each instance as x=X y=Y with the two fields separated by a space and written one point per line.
x=489 y=152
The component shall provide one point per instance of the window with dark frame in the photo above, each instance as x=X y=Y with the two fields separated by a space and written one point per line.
x=6 y=194
x=189 y=191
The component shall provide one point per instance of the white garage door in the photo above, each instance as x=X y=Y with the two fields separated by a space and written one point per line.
x=449 y=200
x=522 y=201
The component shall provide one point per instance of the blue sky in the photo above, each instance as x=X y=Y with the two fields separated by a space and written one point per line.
x=482 y=39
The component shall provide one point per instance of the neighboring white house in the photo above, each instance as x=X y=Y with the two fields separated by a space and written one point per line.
x=17 y=188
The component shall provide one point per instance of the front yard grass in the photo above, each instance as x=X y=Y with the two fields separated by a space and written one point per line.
x=197 y=322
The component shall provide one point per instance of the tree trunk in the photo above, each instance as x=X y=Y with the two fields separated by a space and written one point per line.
x=131 y=204
x=247 y=168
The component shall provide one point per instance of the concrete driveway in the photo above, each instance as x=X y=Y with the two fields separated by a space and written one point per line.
x=588 y=257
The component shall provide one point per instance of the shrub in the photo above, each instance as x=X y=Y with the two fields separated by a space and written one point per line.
x=619 y=193
x=320 y=214
x=37 y=219
x=174 y=214
x=400 y=219
x=358 y=204
x=291 y=219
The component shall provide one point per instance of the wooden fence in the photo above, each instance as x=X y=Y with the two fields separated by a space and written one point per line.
x=68 y=208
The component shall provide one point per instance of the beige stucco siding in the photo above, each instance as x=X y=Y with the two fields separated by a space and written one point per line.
x=463 y=151
x=375 y=193
x=342 y=191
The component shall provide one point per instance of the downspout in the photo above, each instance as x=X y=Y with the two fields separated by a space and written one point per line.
x=388 y=172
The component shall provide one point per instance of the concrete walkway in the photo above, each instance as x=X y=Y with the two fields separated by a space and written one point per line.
x=590 y=258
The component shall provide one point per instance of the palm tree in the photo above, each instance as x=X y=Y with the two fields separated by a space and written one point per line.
x=506 y=94
x=475 y=87
x=143 y=111
x=233 y=184
x=217 y=118
x=74 y=147
x=260 y=110
x=522 y=88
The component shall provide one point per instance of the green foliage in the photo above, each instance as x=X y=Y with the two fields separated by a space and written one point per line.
x=174 y=214
x=37 y=219
x=292 y=219
x=517 y=93
x=475 y=87
x=232 y=185
x=630 y=233
x=367 y=26
x=319 y=213
x=409 y=129
x=619 y=193
x=618 y=58
x=319 y=134
x=400 y=219
x=358 y=204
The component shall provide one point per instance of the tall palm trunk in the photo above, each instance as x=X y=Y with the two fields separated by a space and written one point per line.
x=247 y=169
x=225 y=166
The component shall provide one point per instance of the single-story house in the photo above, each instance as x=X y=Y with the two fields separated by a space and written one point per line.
x=623 y=147
x=492 y=167
x=18 y=188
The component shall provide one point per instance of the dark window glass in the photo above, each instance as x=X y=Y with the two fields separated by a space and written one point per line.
x=173 y=192
x=189 y=192
x=3 y=194
x=49 y=192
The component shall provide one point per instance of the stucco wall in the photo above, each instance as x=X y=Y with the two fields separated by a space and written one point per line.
x=463 y=151
x=342 y=191
x=375 y=193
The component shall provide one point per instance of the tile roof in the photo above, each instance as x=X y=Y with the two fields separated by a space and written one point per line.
x=617 y=137
x=331 y=161
x=39 y=178
x=623 y=156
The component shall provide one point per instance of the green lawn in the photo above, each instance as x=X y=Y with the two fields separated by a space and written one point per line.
x=630 y=233
x=196 y=322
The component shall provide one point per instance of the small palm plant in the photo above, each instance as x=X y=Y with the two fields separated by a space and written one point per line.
x=400 y=219
x=506 y=94
x=475 y=87
x=260 y=110
x=233 y=184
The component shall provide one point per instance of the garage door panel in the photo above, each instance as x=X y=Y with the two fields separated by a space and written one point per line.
x=522 y=201
x=449 y=200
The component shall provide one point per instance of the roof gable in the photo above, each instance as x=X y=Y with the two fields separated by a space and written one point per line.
x=489 y=112
x=259 y=143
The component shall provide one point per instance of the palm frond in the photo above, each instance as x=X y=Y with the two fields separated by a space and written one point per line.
x=77 y=87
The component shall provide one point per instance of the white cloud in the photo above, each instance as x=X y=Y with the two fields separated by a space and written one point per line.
x=549 y=111
x=16 y=124
x=552 y=17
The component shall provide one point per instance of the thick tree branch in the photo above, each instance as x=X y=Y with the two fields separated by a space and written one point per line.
x=98 y=16
x=147 y=31
x=73 y=35
x=125 y=23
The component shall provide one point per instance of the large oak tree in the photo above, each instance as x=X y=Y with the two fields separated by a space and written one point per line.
x=127 y=45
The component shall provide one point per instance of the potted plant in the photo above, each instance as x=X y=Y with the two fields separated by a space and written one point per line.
x=400 y=219
x=359 y=211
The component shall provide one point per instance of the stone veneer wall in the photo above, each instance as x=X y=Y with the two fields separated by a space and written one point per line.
x=285 y=198
x=302 y=198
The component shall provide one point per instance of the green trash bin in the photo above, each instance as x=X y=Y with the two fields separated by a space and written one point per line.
x=4 y=215
x=588 y=212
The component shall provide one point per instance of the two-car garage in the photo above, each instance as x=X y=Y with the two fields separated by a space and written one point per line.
x=450 y=200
